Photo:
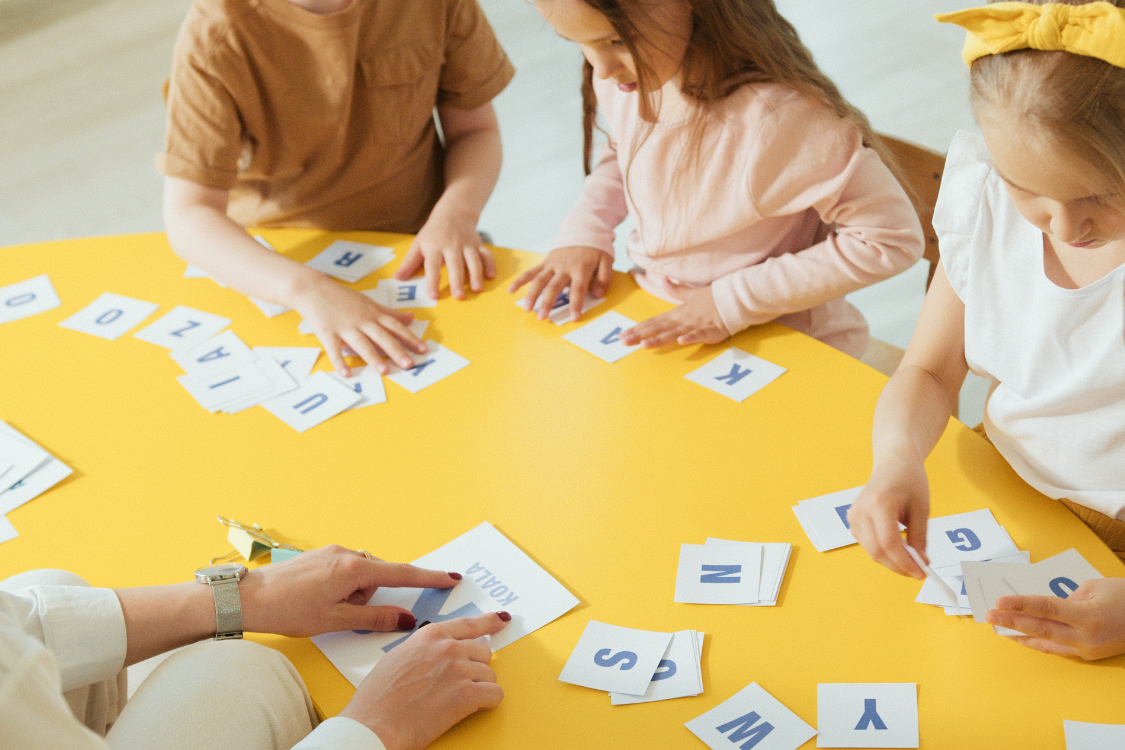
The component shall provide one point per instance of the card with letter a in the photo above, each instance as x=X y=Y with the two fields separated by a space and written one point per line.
x=497 y=576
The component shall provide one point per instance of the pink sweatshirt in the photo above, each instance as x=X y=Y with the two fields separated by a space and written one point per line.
x=790 y=212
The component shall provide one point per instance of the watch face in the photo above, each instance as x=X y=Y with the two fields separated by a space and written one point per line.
x=218 y=572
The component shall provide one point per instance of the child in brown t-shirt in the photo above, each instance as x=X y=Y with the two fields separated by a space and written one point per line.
x=319 y=113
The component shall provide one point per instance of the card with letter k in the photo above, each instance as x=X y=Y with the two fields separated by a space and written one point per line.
x=736 y=374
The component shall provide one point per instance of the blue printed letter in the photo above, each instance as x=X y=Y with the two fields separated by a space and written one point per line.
x=736 y=374
x=627 y=658
x=870 y=716
x=317 y=399
x=1060 y=585
x=613 y=336
x=407 y=293
x=417 y=369
x=720 y=574
x=347 y=259
x=108 y=317
x=957 y=536
x=22 y=299
x=744 y=729
x=842 y=511
x=669 y=668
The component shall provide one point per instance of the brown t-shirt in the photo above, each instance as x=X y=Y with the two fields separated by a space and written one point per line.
x=325 y=120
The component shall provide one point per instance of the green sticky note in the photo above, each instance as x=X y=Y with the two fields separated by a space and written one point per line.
x=279 y=555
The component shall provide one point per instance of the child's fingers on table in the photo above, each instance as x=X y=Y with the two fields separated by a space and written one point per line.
x=489 y=262
x=410 y=263
x=455 y=263
x=701 y=335
x=602 y=277
x=551 y=292
x=332 y=347
x=375 y=334
x=403 y=333
x=475 y=263
x=525 y=277
x=579 y=286
x=432 y=263
x=535 y=287
x=647 y=328
x=365 y=349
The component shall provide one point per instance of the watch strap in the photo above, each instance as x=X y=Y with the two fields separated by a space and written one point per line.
x=228 y=609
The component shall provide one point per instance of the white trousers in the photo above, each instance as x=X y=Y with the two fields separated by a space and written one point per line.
x=213 y=695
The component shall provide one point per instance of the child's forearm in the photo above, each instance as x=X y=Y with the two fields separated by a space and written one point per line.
x=200 y=232
x=911 y=415
x=472 y=167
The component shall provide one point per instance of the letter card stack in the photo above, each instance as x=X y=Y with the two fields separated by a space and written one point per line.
x=636 y=666
x=26 y=471
x=728 y=572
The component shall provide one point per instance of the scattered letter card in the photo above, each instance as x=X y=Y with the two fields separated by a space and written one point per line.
x=27 y=298
x=1081 y=735
x=402 y=295
x=971 y=536
x=298 y=361
x=182 y=327
x=214 y=356
x=351 y=261
x=825 y=519
x=867 y=714
x=736 y=374
x=436 y=364
x=678 y=675
x=367 y=382
x=317 y=399
x=621 y=660
x=718 y=574
x=497 y=576
x=751 y=718
x=602 y=337
x=110 y=316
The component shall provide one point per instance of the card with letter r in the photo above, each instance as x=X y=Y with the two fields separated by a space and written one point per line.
x=318 y=398
x=602 y=337
x=110 y=316
x=436 y=364
x=751 y=718
x=496 y=576
x=718 y=574
x=736 y=374
x=182 y=327
x=27 y=298
x=867 y=714
x=402 y=295
x=351 y=261
x=617 y=659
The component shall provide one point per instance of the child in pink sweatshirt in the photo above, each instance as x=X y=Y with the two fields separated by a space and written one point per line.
x=758 y=193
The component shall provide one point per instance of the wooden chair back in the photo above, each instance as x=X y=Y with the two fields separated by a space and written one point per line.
x=921 y=174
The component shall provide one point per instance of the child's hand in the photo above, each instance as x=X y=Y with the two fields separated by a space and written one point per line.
x=898 y=492
x=577 y=267
x=450 y=239
x=340 y=316
x=696 y=321
x=1090 y=623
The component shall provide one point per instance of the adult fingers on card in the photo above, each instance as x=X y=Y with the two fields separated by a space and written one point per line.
x=314 y=592
x=423 y=687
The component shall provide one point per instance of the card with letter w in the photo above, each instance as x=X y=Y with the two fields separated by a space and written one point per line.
x=497 y=576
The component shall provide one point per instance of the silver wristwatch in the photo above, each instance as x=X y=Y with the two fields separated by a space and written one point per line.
x=223 y=580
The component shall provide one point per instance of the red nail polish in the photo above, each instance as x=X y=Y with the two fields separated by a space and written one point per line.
x=455 y=576
x=504 y=616
x=406 y=621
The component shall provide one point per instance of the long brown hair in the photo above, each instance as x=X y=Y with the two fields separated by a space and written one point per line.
x=733 y=42
x=1077 y=101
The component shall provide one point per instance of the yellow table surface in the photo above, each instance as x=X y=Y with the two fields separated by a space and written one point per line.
x=597 y=471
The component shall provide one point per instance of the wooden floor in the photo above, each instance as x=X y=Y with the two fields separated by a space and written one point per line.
x=82 y=117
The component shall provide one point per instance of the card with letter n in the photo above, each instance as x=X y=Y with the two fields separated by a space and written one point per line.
x=751 y=718
x=867 y=714
x=736 y=374
x=718 y=574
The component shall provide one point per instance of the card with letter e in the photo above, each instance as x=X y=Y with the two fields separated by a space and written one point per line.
x=718 y=574
x=617 y=659
x=867 y=714
x=316 y=399
x=351 y=261
x=602 y=337
x=402 y=295
x=436 y=364
x=27 y=298
x=182 y=327
x=497 y=576
x=110 y=316
x=736 y=374
x=751 y=718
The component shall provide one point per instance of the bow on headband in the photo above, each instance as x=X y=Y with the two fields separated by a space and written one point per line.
x=1092 y=30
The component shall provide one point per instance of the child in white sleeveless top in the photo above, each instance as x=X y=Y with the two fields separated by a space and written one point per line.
x=1031 y=297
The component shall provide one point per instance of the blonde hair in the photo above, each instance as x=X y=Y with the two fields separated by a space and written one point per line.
x=1078 y=102
x=733 y=42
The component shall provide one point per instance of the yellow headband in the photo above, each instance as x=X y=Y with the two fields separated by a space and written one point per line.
x=1092 y=30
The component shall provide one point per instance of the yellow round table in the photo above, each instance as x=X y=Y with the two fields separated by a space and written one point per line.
x=597 y=471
